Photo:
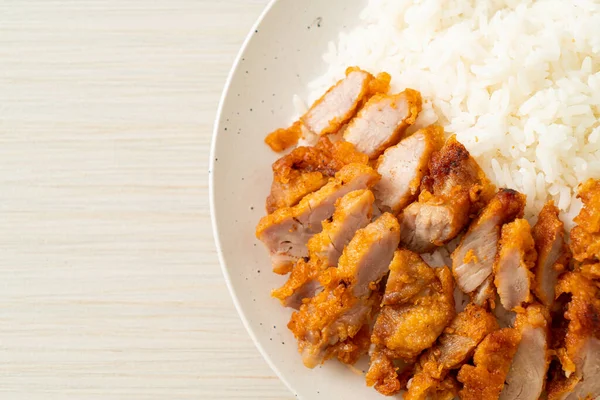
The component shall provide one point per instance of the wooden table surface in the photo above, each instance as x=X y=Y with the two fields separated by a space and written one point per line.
x=110 y=285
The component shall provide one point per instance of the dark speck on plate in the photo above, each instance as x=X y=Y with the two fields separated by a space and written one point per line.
x=259 y=271
x=250 y=110
x=256 y=31
x=254 y=244
x=282 y=342
x=252 y=208
x=225 y=128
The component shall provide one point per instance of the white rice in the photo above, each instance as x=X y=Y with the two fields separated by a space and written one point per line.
x=517 y=81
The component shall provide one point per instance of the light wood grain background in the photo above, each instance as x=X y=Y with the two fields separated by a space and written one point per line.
x=109 y=285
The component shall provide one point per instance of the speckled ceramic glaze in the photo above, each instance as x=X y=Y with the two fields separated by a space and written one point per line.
x=281 y=55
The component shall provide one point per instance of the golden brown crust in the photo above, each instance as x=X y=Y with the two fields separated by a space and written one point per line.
x=383 y=375
x=282 y=139
x=406 y=328
x=492 y=360
x=409 y=276
x=352 y=349
x=515 y=238
x=302 y=273
x=590 y=271
x=548 y=231
x=581 y=322
x=453 y=170
x=585 y=237
x=307 y=169
x=452 y=349
x=370 y=87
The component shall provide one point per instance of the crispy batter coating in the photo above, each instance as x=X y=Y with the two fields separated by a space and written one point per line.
x=473 y=259
x=516 y=257
x=580 y=345
x=590 y=271
x=282 y=139
x=418 y=304
x=349 y=300
x=527 y=375
x=585 y=237
x=287 y=231
x=352 y=212
x=384 y=375
x=553 y=253
x=408 y=325
x=492 y=360
x=453 y=192
x=307 y=169
x=454 y=171
x=336 y=107
x=454 y=347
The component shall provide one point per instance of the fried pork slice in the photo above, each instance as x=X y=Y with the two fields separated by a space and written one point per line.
x=473 y=259
x=383 y=121
x=286 y=232
x=402 y=167
x=527 y=375
x=352 y=212
x=492 y=359
x=585 y=236
x=453 y=348
x=455 y=190
x=348 y=301
x=336 y=107
x=580 y=351
x=512 y=269
x=417 y=305
x=307 y=169
x=553 y=254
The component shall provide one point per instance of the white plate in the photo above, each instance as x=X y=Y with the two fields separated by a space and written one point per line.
x=281 y=55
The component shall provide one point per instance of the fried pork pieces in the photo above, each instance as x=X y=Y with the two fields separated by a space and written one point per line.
x=348 y=219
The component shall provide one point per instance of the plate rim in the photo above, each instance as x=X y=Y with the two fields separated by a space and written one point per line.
x=215 y=229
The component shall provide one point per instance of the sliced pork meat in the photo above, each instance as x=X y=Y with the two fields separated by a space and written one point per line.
x=492 y=360
x=473 y=259
x=485 y=294
x=361 y=265
x=553 y=253
x=307 y=169
x=348 y=301
x=512 y=269
x=453 y=348
x=402 y=167
x=382 y=121
x=352 y=212
x=335 y=108
x=427 y=225
x=527 y=375
x=343 y=100
x=579 y=353
x=454 y=190
x=418 y=304
x=286 y=232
